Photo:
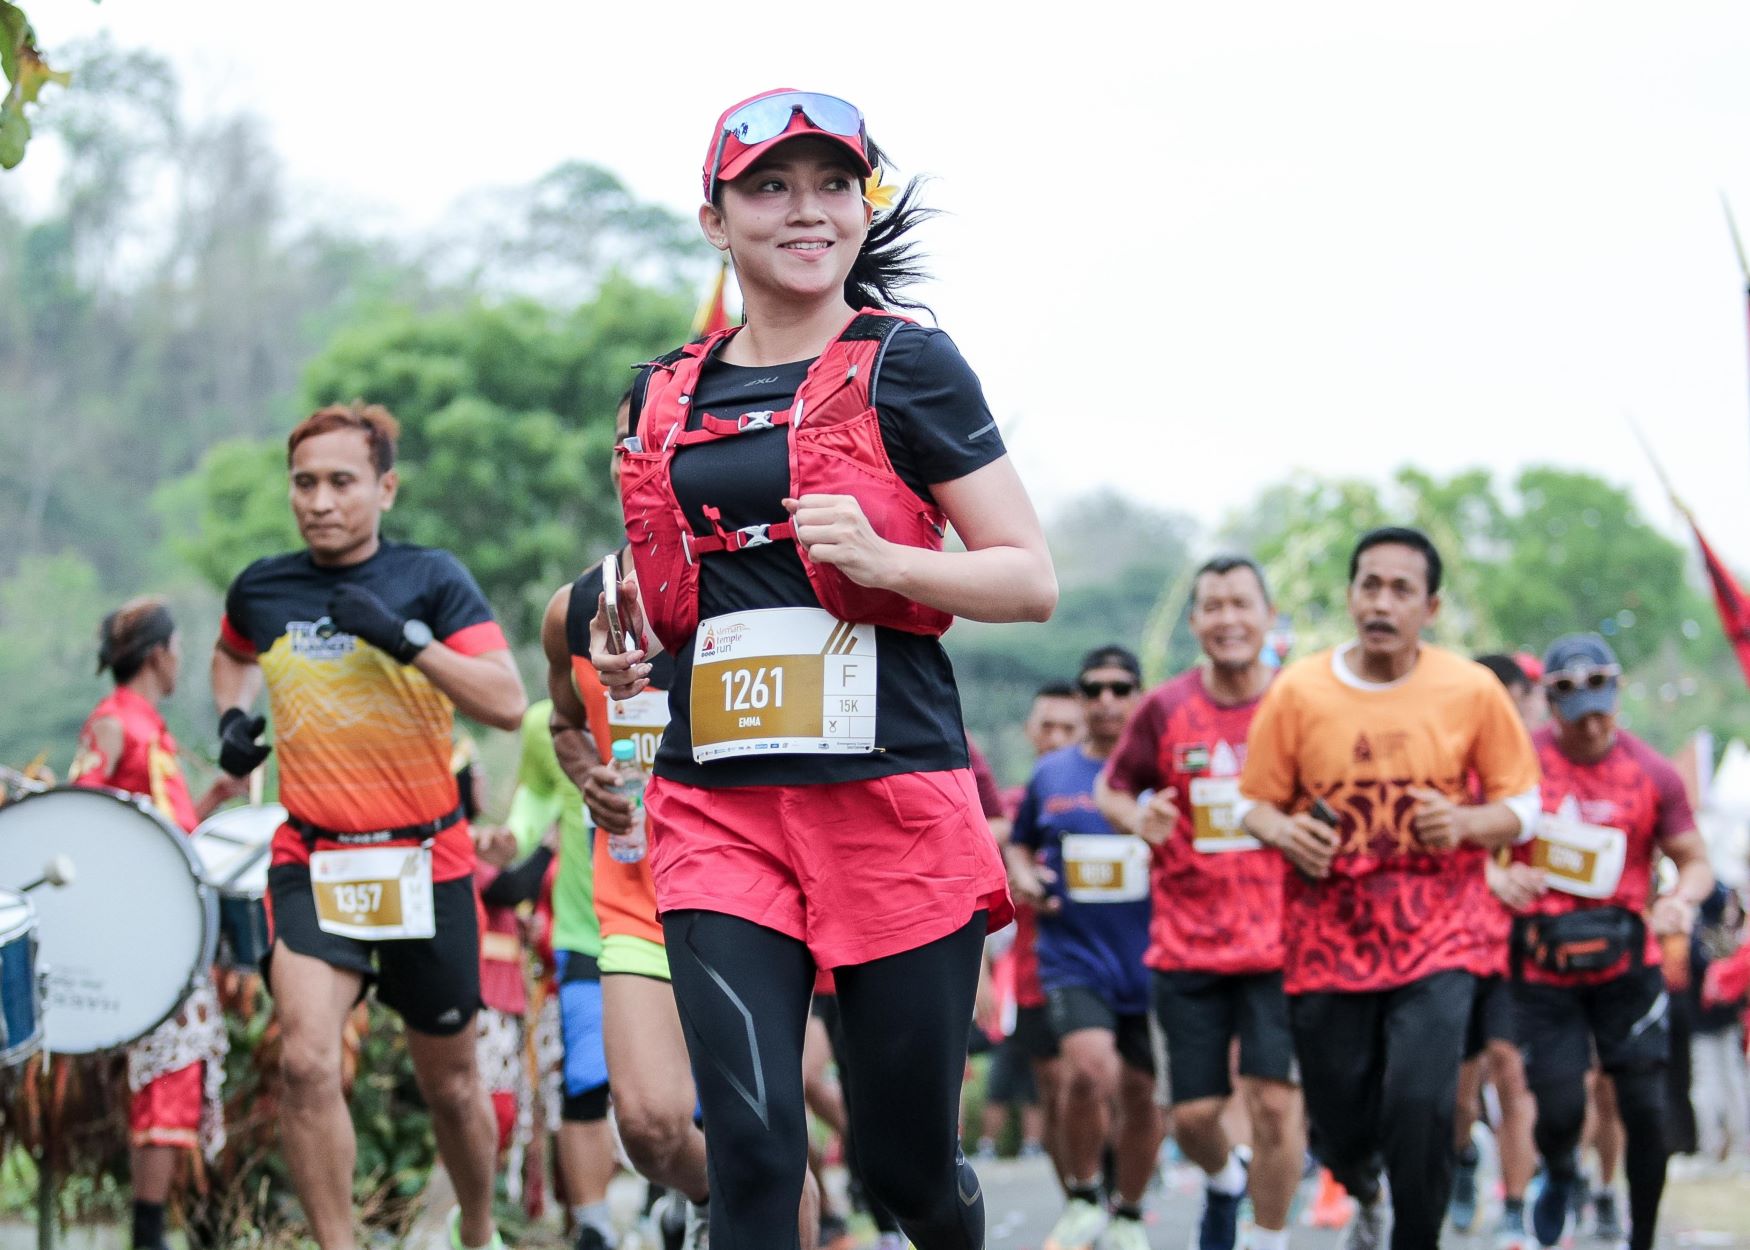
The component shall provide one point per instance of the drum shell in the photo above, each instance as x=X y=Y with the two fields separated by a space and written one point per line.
x=235 y=847
x=125 y=943
x=21 y=1018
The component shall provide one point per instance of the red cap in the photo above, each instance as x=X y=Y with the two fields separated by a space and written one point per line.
x=1529 y=664
x=737 y=156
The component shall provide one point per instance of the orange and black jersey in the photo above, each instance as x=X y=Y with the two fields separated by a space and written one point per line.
x=363 y=741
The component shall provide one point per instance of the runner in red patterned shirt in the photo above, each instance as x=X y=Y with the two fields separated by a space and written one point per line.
x=1586 y=961
x=1358 y=770
x=1215 y=940
x=1054 y=721
x=367 y=649
x=125 y=745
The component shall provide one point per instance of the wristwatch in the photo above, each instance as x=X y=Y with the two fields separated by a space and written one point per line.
x=416 y=636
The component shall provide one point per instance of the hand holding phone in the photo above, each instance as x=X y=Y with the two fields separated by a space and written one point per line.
x=620 y=636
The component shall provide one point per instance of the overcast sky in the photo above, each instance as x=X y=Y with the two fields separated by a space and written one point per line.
x=1191 y=248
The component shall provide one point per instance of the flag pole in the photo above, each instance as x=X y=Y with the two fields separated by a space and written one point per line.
x=1658 y=469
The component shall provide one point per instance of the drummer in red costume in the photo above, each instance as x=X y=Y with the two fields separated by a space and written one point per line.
x=176 y=1073
x=367 y=648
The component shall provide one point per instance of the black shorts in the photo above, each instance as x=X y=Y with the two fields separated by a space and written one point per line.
x=1627 y=1018
x=1010 y=1077
x=432 y=983
x=1196 y=1017
x=1073 y=1007
x=1033 y=1034
x=1492 y=1017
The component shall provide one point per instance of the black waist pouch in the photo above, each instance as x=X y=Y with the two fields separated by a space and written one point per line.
x=1579 y=941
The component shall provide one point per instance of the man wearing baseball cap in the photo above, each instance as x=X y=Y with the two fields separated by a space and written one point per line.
x=1585 y=956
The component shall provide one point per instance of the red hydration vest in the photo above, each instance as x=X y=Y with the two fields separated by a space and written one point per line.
x=835 y=449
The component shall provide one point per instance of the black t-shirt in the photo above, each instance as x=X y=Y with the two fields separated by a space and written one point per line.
x=363 y=741
x=936 y=427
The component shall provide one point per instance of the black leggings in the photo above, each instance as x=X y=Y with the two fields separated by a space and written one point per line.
x=1640 y=1097
x=743 y=994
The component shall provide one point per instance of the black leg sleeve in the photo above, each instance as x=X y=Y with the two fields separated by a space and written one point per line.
x=743 y=995
x=1640 y=1097
x=906 y=1020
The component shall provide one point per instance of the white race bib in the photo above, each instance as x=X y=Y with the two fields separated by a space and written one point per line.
x=1213 y=827
x=787 y=681
x=1577 y=858
x=1105 y=868
x=375 y=893
x=639 y=720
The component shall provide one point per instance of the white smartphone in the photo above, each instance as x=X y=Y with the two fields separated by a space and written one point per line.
x=620 y=638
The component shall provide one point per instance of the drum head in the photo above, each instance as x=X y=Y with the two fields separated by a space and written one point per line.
x=125 y=942
x=235 y=845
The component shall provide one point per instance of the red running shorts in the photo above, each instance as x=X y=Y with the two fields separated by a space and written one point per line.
x=856 y=870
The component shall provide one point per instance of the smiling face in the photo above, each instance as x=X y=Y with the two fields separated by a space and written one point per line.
x=793 y=223
x=1230 y=616
x=1389 y=600
x=338 y=498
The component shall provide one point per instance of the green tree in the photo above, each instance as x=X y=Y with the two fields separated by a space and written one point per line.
x=507 y=419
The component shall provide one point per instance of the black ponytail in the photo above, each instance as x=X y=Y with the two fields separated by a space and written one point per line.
x=889 y=262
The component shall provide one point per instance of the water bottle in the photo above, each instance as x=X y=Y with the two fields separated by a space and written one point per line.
x=628 y=847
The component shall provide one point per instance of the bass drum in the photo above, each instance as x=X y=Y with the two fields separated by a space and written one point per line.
x=128 y=940
x=234 y=847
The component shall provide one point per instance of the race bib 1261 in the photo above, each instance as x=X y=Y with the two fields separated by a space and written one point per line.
x=788 y=681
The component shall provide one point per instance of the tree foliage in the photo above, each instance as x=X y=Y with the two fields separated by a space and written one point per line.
x=507 y=420
x=26 y=75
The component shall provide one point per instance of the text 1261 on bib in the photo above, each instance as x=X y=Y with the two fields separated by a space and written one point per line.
x=788 y=681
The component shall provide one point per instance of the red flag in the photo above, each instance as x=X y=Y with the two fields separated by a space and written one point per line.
x=1729 y=597
x=713 y=314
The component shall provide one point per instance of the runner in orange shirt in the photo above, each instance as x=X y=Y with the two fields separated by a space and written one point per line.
x=1385 y=918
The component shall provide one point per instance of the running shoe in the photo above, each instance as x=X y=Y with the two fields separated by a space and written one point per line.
x=1510 y=1232
x=1219 y=1229
x=589 y=1237
x=497 y=1242
x=698 y=1228
x=668 y=1219
x=1124 y=1234
x=835 y=1233
x=1078 y=1227
x=1606 y=1222
x=1366 y=1229
x=1463 y=1210
x=1552 y=1210
x=892 y=1241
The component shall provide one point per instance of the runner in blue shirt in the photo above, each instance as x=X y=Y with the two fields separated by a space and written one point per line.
x=1089 y=884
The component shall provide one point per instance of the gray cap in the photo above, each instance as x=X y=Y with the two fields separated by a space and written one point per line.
x=1585 y=651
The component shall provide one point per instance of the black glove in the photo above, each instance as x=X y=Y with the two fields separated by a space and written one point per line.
x=239 y=752
x=355 y=610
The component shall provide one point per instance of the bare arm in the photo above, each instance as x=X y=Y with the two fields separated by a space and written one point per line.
x=1306 y=842
x=569 y=724
x=1005 y=573
x=1675 y=912
x=109 y=738
x=485 y=687
x=236 y=679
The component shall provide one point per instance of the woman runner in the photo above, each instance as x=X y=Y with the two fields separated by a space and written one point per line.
x=812 y=804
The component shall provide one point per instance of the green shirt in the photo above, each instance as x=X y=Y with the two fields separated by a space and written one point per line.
x=544 y=794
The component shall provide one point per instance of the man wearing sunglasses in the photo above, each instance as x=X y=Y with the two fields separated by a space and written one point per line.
x=1089 y=884
x=1585 y=960
x=1359 y=769
x=1215 y=940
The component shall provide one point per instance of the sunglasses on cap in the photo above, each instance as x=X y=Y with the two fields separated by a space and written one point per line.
x=1572 y=680
x=759 y=120
x=1117 y=689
